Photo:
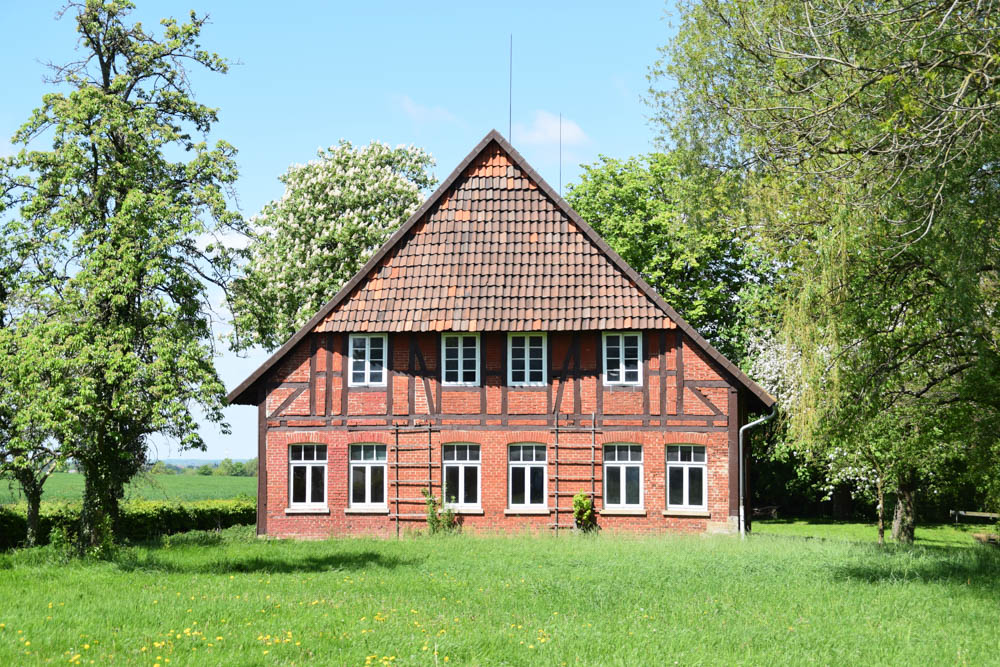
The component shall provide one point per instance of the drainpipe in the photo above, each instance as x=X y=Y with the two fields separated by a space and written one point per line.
x=743 y=429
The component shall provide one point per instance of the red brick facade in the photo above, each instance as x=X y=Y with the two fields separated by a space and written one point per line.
x=300 y=410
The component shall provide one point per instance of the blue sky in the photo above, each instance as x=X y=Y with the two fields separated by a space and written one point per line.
x=430 y=74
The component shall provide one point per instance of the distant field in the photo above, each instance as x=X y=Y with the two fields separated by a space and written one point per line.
x=69 y=486
x=939 y=534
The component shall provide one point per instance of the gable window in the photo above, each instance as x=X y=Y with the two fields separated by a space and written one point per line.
x=460 y=353
x=307 y=476
x=623 y=358
x=461 y=476
x=367 y=360
x=527 y=473
x=687 y=474
x=368 y=478
x=527 y=359
x=623 y=476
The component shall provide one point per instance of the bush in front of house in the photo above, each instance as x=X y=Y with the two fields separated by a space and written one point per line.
x=140 y=520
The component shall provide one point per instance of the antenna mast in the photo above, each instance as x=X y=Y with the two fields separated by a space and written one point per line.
x=560 y=153
x=510 y=88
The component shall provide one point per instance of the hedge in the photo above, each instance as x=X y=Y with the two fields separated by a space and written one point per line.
x=140 y=519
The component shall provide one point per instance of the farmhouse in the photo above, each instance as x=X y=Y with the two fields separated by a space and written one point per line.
x=497 y=352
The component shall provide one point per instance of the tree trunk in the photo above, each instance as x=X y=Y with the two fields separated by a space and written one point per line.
x=880 y=490
x=904 y=518
x=34 y=498
x=92 y=511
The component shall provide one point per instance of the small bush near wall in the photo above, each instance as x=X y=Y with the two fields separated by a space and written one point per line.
x=141 y=519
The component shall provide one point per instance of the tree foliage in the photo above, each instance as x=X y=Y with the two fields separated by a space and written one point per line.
x=336 y=212
x=680 y=226
x=868 y=134
x=122 y=209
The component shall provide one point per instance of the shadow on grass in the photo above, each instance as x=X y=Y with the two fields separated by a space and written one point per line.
x=977 y=568
x=333 y=562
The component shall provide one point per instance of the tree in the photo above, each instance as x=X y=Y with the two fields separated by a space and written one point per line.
x=121 y=230
x=205 y=470
x=860 y=128
x=226 y=468
x=336 y=212
x=679 y=225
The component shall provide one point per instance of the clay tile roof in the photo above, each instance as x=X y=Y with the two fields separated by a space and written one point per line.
x=494 y=241
x=495 y=249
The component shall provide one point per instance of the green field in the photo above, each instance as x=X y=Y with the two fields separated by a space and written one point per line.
x=941 y=534
x=232 y=599
x=69 y=486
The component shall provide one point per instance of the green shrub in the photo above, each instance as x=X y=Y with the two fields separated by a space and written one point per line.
x=438 y=520
x=140 y=519
x=583 y=512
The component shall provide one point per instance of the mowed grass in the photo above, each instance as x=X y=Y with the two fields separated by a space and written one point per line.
x=940 y=534
x=523 y=600
x=69 y=486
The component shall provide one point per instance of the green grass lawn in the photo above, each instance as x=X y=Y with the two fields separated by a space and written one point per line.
x=941 y=534
x=69 y=486
x=233 y=599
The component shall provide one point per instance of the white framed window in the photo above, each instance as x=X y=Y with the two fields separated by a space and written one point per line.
x=527 y=355
x=623 y=476
x=307 y=476
x=368 y=352
x=368 y=476
x=460 y=360
x=623 y=358
x=528 y=476
x=687 y=477
x=461 y=476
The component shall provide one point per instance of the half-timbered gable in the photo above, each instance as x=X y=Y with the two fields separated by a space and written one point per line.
x=497 y=352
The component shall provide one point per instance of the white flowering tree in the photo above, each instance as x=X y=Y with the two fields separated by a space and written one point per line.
x=336 y=211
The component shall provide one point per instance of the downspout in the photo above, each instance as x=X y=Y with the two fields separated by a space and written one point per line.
x=743 y=429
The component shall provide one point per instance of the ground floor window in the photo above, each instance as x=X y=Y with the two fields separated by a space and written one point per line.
x=461 y=476
x=368 y=476
x=527 y=473
x=623 y=476
x=307 y=475
x=687 y=476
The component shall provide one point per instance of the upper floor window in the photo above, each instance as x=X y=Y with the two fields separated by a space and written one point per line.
x=687 y=473
x=623 y=358
x=623 y=476
x=460 y=353
x=368 y=352
x=528 y=358
x=307 y=475
x=461 y=476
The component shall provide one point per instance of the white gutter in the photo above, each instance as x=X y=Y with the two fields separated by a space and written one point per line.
x=747 y=427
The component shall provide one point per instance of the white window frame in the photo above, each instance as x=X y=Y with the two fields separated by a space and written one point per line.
x=444 y=362
x=462 y=464
x=621 y=368
x=368 y=357
x=527 y=359
x=367 y=464
x=622 y=465
x=686 y=466
x=308 y=464
x=527 y=465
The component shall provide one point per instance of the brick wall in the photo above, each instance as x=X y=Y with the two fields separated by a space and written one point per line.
x=684 y=399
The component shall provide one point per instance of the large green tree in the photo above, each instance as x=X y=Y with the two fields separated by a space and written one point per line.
x=335 y=213
x=681 y=226
x=123 y=204
x=868 y=135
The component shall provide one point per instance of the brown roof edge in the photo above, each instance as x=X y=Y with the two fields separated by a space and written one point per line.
x=240 y=395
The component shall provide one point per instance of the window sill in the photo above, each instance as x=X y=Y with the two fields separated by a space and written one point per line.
x=366 y=510
x=464 y=510
x=528 y=511
x=701 y=514
x=622 y=512
x=307 y=510
x=367 y=386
